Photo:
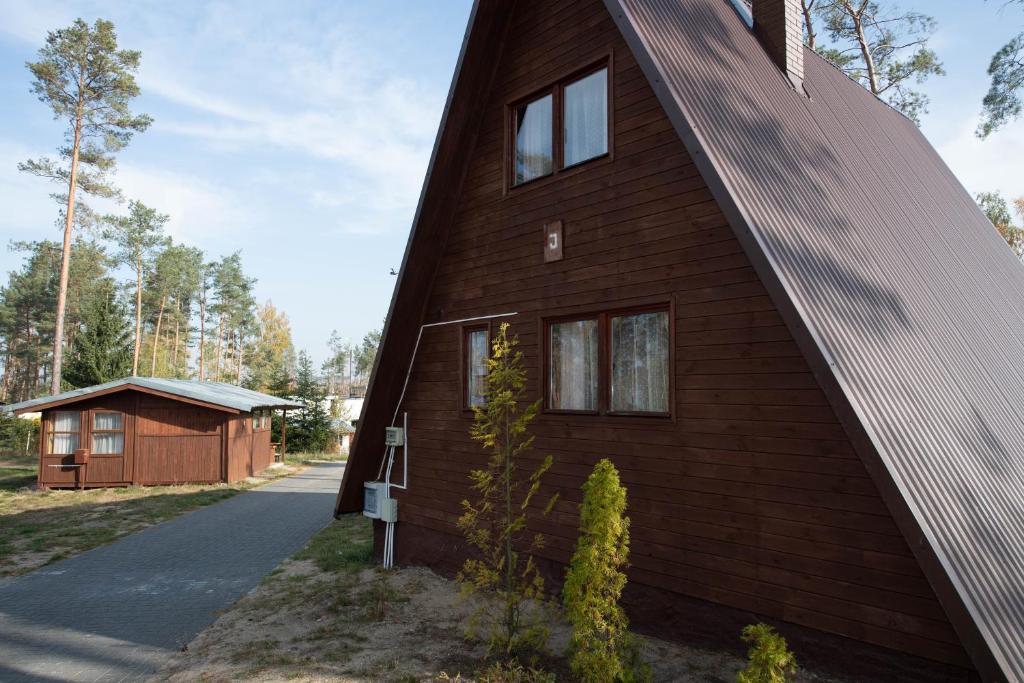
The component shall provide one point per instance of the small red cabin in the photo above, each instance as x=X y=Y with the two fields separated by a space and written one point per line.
x=153 y=431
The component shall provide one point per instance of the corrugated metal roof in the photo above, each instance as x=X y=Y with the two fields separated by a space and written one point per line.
x=911 y=298
x=217 y=393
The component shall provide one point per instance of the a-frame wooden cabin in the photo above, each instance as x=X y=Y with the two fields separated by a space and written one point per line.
x=761 y=293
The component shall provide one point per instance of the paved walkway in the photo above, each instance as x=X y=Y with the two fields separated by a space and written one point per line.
x=118 y=612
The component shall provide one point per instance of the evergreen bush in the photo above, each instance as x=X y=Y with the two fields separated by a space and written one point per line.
x=769 y=659
x=601 y=650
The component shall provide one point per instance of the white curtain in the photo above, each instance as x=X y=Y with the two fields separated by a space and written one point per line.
x=110 y=443
x=586 y=118
x=108 y=422
x=533 y=140
x=64 y=436
x=574 y=365
x=640 y=358
x=477 y=367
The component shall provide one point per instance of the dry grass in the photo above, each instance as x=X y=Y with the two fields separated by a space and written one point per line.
x=40 y=527
x=328 y=614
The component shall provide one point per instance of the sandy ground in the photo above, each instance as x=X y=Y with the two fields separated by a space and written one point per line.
x=362 y=624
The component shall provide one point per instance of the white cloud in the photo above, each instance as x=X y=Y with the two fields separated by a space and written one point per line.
x=987 y=165
x=200 y=212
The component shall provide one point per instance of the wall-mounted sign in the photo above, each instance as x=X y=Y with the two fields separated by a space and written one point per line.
x=553 y=241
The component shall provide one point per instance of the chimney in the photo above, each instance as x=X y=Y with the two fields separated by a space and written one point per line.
x=779 y=25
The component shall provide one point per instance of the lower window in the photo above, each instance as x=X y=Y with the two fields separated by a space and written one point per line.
x=640 y=363
x=475 y=369
x=65 y=428
x=573 y=365
x=611 y=363
x=107 y=433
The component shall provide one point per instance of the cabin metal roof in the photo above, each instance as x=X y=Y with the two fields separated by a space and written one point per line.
x=910 y=300
x=216 y=393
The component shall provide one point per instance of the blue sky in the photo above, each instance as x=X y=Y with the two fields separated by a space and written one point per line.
x=299 y=132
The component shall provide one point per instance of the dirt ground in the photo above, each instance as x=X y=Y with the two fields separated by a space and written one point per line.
x=328 y=615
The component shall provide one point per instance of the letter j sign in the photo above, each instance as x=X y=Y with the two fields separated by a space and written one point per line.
x=553 y=241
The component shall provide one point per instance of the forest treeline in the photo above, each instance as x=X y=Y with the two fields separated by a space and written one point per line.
x=198 y=318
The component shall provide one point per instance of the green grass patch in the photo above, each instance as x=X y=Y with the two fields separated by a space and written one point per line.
x=13 y=478
x=346 y=544
x=308 y=458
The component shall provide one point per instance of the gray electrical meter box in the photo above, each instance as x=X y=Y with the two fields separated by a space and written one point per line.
x=394 y=436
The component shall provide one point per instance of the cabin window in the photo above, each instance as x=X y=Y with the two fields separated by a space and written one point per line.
x=585 y=119
x=640 y=363
x=573 y=365
x=533 y=144
x=107 y=433
x=65 y=428
x=476 y=351
x=265 y=420
x=255 y=420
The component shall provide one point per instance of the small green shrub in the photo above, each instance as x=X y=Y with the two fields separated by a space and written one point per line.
x=769 y=659
x=601 y=650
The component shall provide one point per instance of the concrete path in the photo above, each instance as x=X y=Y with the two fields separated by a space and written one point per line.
x=118 y=612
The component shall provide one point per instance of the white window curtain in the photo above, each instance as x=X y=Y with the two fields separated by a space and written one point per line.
x=586 y=118
x=108 y=443
x=534 y=157
x=640 y=363
x=476 y=365
x=65 y=429
x=106 y=422
x=573 y=365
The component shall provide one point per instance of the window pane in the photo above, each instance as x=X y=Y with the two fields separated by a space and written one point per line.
x=640 y=370
x=586 y=118
x=111 y=443
x=573 y=365
x=108 y=421
x=63 y=444
x=534 y=156
x=476 y=367
x=66 y=421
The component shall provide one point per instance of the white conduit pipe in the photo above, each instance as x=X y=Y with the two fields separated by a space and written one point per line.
x=389 y=452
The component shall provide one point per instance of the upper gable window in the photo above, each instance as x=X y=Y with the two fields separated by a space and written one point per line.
x=586 y=118
x=534 y=151
x=564 y=126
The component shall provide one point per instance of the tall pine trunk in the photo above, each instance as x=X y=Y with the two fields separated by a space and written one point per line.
x=238 y=377
x=65 y=257
x=177 y=336
x=138 y=315
x=202 y=338
x=156 y=335
x=220 y=345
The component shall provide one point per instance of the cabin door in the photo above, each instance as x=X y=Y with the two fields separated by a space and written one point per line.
x=105 y=439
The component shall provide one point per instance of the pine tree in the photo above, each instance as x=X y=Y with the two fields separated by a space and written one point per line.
x=504 y=572
x=310 y=429
x=88 y=83
x=103 y=348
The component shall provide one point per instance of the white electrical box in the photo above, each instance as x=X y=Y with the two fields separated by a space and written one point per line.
x=394 y=436
x=389 y=510
x=374 y=493
x=377 y=504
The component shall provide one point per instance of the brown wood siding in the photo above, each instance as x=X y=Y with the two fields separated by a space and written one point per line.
x=177 y=442
x=239 y=444
x=750 y=495
x=262 y=451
